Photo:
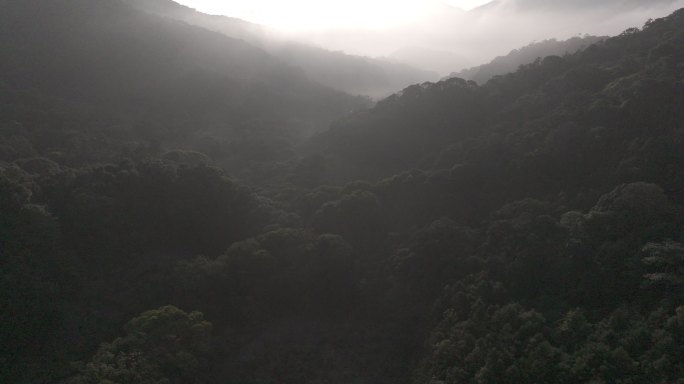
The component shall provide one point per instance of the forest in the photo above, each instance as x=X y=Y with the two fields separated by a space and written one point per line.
x=179 y=206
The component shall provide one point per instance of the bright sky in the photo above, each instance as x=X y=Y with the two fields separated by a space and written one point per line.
x=325 y=14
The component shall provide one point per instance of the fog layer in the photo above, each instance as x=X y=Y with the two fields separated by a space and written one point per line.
x=449 y=39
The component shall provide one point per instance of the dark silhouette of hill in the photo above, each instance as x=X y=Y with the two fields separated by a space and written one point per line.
x=509 y=63
x=230 y=26
x=81 y=49
x=105 y=62
x=349 y=73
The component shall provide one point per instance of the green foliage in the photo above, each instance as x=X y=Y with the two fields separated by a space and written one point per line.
x=164 y=345
x=36 y=280
x=273 y=275
x=668 y=258
x=154 y=207
x=511 y=345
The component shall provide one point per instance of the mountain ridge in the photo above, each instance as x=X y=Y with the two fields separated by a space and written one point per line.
x=502 y=65
x=353 y=74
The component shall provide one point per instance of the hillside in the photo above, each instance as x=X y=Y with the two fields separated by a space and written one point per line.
x=526 y=230
x=532 y=224
x=591 y=89
x=502 y=65
x=353 y=74
x=122 y=79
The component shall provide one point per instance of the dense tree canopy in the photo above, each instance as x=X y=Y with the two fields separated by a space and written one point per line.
x=528 y=229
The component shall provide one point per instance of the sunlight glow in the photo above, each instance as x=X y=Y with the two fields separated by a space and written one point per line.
x=294 y=15
x=467 y=4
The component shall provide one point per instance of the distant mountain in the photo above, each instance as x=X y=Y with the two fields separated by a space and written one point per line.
x=349 y=73
x=525 y=55
x=567 y=5
x=103 y=64
x=444 y=61
x=230 y=26
x=374 y=77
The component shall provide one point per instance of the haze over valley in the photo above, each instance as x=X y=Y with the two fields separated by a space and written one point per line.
x=435 y=35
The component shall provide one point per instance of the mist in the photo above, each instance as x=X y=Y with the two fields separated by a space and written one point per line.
x=448 y=38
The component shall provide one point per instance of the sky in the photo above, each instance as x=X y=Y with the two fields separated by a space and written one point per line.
x=307 y=15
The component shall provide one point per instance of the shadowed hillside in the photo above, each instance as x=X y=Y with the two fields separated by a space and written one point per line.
x=525 y=55
x=353 y=74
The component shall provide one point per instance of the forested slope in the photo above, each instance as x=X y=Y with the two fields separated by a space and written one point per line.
x=624 y=89
x=502 y=65
x=357 y=75
x=136 y=77
x=526 y=230
x=544 y=211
